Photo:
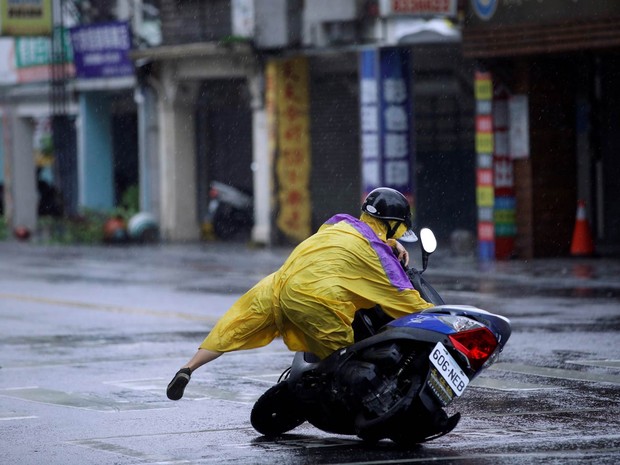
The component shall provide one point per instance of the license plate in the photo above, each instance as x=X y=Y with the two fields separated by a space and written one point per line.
x=449 y=369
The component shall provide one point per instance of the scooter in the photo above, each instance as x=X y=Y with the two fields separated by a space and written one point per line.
x=396 y=379
x=230 y=211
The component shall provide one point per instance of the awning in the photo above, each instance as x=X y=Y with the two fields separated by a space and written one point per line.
x=538 y=38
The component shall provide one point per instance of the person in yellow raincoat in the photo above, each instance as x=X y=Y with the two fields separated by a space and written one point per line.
x=347 y=265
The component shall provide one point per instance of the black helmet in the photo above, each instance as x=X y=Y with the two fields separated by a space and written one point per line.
x=388 y=204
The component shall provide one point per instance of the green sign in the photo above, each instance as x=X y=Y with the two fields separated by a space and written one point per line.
x=37 y=51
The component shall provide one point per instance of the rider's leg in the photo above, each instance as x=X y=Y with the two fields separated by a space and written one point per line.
x=248 y=324
x=201 y=357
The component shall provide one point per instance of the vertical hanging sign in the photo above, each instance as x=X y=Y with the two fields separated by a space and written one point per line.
x=369 y=124
x=386 y=120
x=293 y=149
x=504 y=205
x=485 y=195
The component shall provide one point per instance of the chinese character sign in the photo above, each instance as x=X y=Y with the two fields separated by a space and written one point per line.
x=29 y=59
x=25 y=17
x=485 y=194
x=102 y=50
x=419 y=8
x=494 y=180
x=386 y=121
x=505 y=203
x=293 y=148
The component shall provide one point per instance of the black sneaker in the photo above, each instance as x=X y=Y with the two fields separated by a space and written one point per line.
x=178 y=383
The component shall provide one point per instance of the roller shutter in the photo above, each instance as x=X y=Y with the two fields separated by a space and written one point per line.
x=334 y=122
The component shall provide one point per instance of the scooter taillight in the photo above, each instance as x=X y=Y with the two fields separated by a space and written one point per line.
x=476 y=344
x=213 y=193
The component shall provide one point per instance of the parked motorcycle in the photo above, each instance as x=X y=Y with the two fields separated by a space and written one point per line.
x=396 y=379
x=230 y=211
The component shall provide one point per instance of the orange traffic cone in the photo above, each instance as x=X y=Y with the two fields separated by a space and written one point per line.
x=582 y=244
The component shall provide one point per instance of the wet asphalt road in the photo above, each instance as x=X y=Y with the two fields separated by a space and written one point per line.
x=91 y=336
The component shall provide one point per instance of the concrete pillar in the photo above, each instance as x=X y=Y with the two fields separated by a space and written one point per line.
x=261 y=162
x=20 y=189
x=95 y=156
x=148 y=134
x=2 y=149
x=177 y=139
x=523 y=176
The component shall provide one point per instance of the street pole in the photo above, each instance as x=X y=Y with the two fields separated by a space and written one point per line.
x=63 y=127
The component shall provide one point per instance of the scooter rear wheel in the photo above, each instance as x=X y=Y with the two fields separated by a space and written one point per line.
x=275 y=412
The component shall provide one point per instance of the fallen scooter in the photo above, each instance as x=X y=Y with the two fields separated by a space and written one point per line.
x=396 y=379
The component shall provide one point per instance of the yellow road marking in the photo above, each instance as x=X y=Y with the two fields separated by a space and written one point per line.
x=109 y=308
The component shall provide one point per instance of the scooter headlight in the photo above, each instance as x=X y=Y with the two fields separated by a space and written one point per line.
x=460 y=323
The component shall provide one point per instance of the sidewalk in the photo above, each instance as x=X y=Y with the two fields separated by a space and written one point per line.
x=545 y=272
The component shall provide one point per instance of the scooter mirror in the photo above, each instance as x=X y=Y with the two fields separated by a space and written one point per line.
x=429 y=243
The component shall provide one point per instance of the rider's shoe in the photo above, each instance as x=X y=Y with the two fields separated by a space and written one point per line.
x=177 y=385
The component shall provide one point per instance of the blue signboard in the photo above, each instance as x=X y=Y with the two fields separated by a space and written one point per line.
x=386 y=119
x=102 y=50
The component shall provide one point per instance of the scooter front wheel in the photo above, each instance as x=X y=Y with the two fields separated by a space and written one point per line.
x=275 y=412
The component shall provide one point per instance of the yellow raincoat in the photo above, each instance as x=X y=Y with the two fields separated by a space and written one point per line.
x=312 y=299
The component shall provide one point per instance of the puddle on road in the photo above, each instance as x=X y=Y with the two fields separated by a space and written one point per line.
x=102 y=339
x=11 y=416
x=507 y=385
x=596 y=363
x=52 y=397
x=197 y=391
x=557 y=373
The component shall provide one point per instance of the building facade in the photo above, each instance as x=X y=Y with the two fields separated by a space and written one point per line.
x=210 y=85
x=68 y=113
x=563 y=56
x=266 y=96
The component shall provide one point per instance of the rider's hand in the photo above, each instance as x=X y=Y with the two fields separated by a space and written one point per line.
x=400 y=251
